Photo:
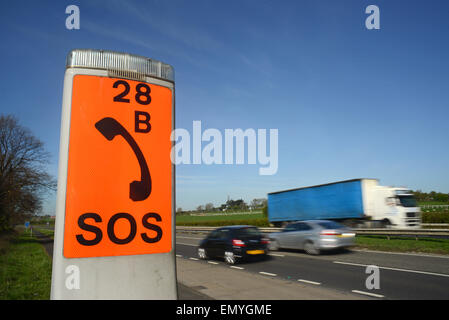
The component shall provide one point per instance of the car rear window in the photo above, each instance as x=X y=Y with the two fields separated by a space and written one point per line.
x=330 y=225
x=250 y=231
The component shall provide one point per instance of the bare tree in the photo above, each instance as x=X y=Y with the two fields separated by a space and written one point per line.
x=258 y=203
x=209 y=207
x=23 y=176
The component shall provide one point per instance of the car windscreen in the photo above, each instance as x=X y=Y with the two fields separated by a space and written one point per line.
x=247 y=232
x=330 y=225
x=408 y=201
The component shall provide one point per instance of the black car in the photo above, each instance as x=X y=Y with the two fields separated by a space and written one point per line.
x=234 y=243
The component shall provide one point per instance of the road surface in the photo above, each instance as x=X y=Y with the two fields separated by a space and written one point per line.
x=402 y=276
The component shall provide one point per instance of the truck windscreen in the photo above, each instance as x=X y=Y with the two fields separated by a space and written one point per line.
x=408 y=201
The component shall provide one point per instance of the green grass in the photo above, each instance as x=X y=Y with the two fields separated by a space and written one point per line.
x=401 y=244
x=210 y=219
x=432 y=203
x=25 y=269
x=45 y=231
x=435 y=217
x=435 y=212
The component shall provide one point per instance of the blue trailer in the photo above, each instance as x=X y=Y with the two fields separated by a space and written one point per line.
x=338 y=200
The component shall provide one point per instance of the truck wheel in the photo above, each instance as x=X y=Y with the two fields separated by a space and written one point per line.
x=310 y=248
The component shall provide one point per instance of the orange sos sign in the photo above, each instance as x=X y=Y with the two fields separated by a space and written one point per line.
x=119 y=178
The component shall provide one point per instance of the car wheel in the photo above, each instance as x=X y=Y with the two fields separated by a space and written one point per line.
x=310 y=248
x=230 y=257
x=202 y=253
x=274 y=245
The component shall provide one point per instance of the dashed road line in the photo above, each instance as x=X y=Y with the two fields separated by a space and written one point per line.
x=179 y=256
x=195 y=259
x=239 y=268
x=309 y=282
x=187 y=244
x=268 y=274
x=212 y=262
x=276 y=255
x=368 y=294
x=189 y=238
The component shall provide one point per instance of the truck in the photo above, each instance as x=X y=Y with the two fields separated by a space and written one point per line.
x=355 y=203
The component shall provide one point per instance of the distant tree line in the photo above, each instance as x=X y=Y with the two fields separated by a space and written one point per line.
x=23 y=176
x=229 y=206
x=431 y=196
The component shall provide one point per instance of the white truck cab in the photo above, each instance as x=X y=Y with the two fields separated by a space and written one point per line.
x=395 y=207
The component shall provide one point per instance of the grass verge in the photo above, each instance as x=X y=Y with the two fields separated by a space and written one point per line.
x=436 y=217
x=210 y=220
x=402 y=244
x=45 y=232
x=25 y=269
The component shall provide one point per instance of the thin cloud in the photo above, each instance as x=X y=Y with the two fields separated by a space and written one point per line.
x=195 y=38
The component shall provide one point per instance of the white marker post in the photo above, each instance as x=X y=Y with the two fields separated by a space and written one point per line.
x=115 y=208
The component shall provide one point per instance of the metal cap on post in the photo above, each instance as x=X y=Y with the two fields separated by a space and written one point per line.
x=120 y=65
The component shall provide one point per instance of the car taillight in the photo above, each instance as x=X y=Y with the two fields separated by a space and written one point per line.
x=265 y=241
x=238 y=243
x=330 y=233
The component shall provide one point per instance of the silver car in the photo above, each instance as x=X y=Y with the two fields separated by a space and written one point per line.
x=313 y=236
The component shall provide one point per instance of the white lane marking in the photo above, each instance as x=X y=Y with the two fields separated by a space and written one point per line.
x=212 y=262
x=194 y=259
x=395 y=269
x=189 y=238
x=179 y=256
x=268 y=274
x=430 y=255
x=234 y=267
x=311 y=282
x=187 y=244
x=276 y=255
x=351 y=264
x=368 y=293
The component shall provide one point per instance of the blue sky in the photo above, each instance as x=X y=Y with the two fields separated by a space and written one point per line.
x=348 y=102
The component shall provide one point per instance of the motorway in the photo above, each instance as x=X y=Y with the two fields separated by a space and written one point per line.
x=402 y=276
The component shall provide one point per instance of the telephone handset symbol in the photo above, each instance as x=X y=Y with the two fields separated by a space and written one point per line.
x=138 y=190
